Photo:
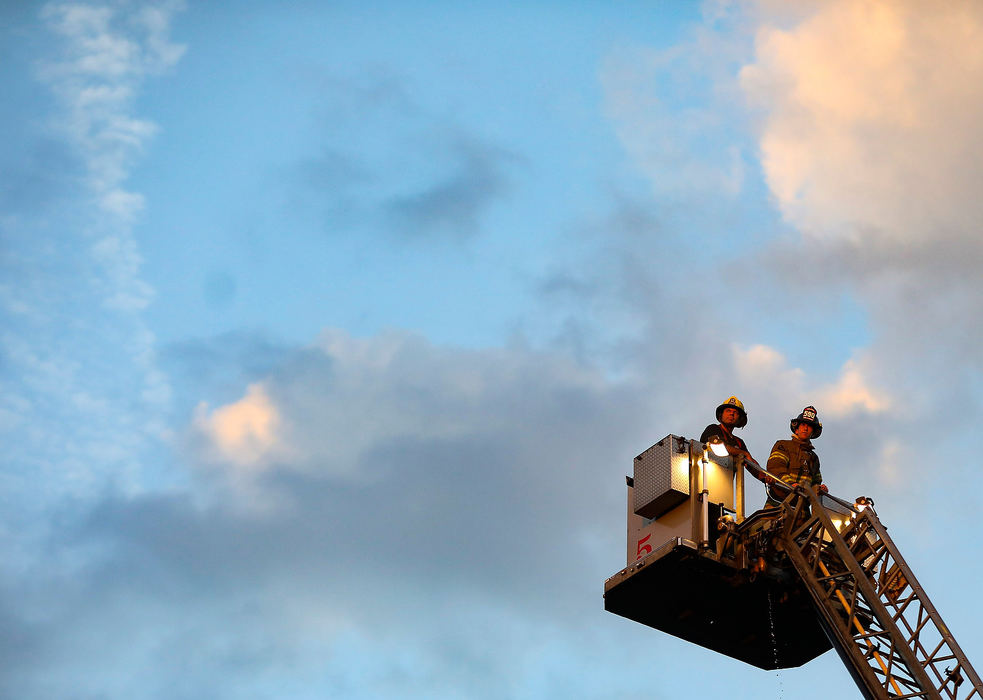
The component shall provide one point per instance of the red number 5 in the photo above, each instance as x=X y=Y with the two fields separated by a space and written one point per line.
x=643 y=548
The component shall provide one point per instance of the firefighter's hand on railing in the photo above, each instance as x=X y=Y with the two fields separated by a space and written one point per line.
x=748 y=458
x=822 y=488
x=763 y=476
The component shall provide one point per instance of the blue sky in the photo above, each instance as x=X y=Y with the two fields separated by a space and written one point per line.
x=330 y=330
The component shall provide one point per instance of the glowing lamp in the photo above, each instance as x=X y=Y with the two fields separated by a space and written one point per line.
x=718 y=447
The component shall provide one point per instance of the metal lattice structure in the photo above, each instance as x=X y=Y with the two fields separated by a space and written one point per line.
x=879 y=618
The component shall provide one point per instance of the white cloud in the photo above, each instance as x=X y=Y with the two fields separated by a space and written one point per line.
x=888 y=460
x=489 y=495
x=871 y=114
x=492 y=492
x=686 y=155
x=869 y=122
x=108 y=52
x=766 y=374
x=761 y=365
x=123 y=205
x=852 y=393
x=344 y=397
x=80 y=371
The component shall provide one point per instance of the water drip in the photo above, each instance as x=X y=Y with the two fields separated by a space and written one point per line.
x=774 y=645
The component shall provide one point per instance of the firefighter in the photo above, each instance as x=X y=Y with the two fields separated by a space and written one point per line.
x=730 y=415
x=794 y=461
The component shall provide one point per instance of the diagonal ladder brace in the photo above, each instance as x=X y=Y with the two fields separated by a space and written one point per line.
x=875 y=613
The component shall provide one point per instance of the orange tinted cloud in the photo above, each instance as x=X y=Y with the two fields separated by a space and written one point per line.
x=244 y=433
x=870 y=116
x=765 y=369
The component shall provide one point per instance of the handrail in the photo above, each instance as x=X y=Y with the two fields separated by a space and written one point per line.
x=757 y=470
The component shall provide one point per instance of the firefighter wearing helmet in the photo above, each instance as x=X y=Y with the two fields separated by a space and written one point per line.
x=730 y=415
x=794 y=461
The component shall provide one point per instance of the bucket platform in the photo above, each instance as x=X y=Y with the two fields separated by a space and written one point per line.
x=783 y=586
x=768 y=622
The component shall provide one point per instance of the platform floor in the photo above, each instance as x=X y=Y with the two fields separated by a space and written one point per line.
x=769 y=623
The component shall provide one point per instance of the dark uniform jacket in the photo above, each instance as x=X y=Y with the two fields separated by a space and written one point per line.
x=794 y=462
x=729 y=439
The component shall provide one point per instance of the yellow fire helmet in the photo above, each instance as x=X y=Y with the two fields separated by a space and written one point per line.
x=734 y=402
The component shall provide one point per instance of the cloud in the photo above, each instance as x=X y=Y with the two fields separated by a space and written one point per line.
x=866 y=116
x=217 y=368
x=386 y=163
x=81 y=387
x=863 y=244
x=369 y=93
x=327 y=407
x=870 y=120
x=429 y=492
x=454 y=205
x=40 y=172
x=244 y=433
x=449 y=514
x=850 y=392
x=678 y=115
x=684 y=157
x=107 y=52
x=762 y=365
x=439 y=519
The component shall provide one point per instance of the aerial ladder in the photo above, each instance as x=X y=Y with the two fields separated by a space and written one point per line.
x=782 y=586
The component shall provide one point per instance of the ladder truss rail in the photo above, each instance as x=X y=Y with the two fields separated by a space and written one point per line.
x=872 y=672
x=927 y=618
x=873 y=604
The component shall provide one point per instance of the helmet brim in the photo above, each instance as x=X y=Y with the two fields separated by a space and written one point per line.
x=817 y=428
x=741 y=421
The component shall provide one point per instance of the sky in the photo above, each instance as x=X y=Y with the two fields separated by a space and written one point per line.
x=330 y=330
